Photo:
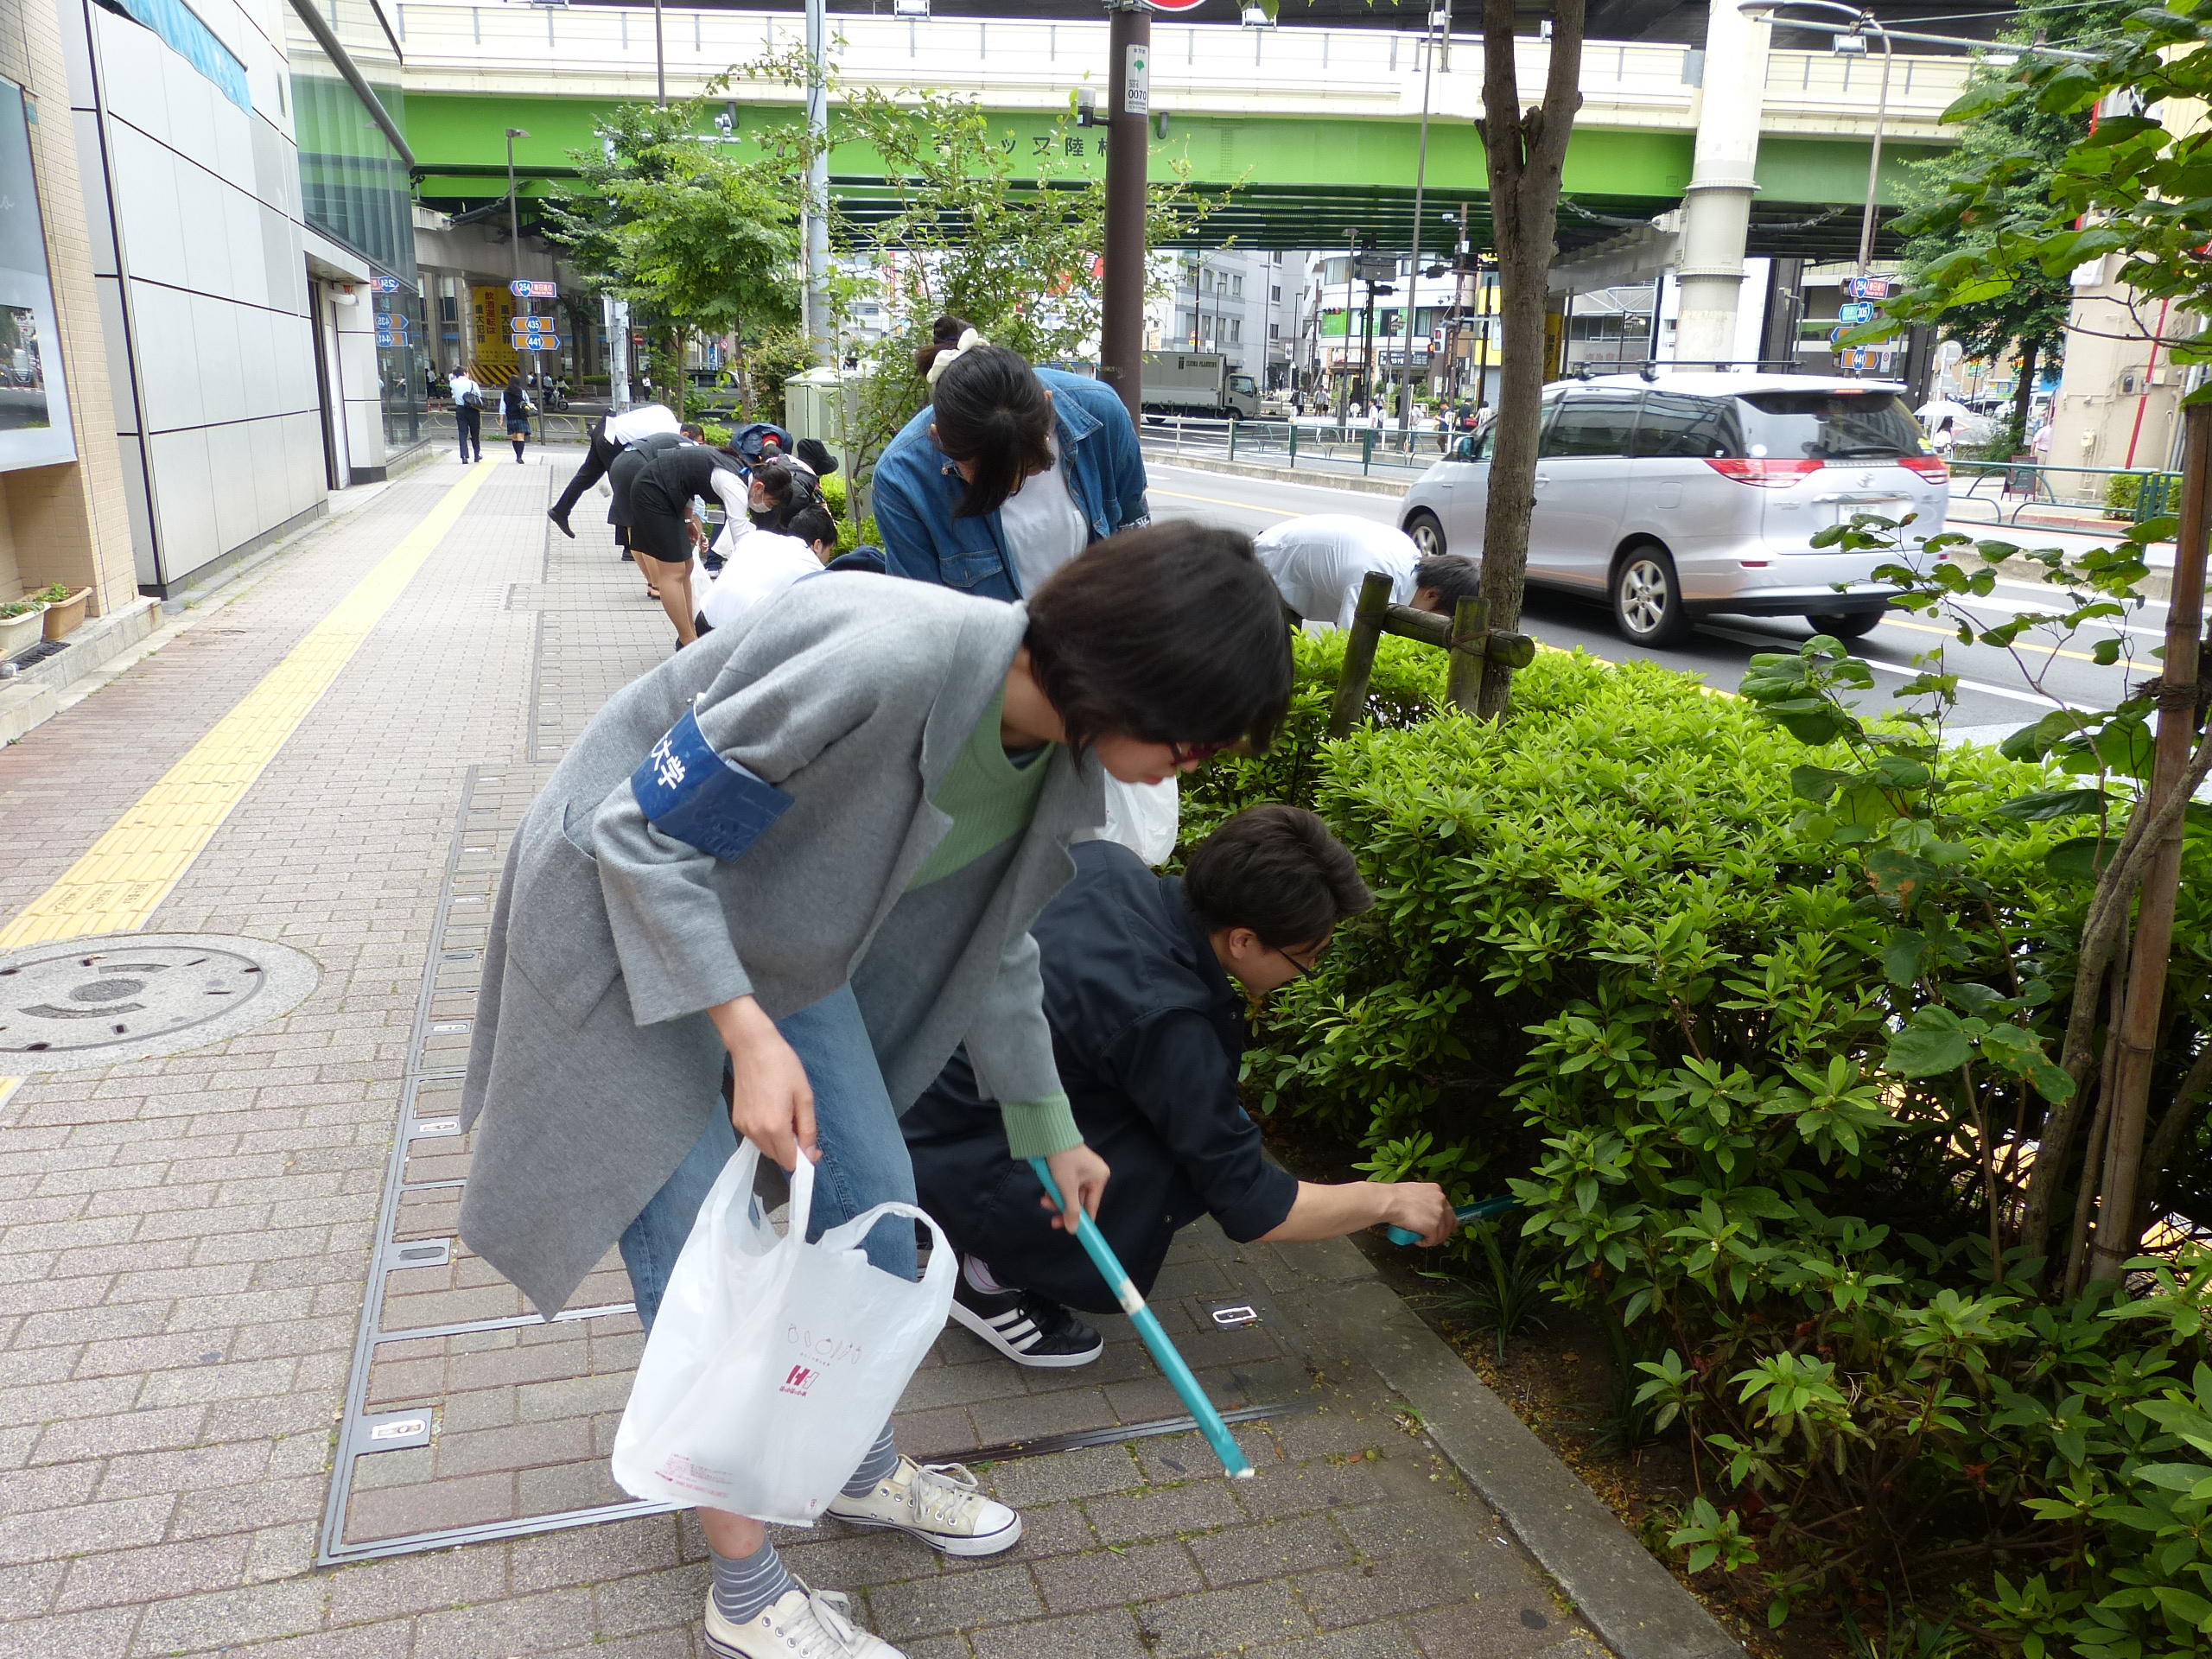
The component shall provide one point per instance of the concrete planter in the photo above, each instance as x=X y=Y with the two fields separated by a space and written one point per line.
x=64 y=616
x=19 y=633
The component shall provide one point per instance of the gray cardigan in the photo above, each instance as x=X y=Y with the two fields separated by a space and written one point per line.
x=594 y=1067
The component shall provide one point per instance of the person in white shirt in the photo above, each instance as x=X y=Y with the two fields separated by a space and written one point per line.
x=1319 y=561
x=757 y=565
x=610 y=436
x=468 y=415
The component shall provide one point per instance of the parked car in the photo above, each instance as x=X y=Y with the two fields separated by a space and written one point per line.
x=1695 y=493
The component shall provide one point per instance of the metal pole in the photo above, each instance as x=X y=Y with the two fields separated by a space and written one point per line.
x=660 y=61
x=1128 y=149
x=1344 y=351
x=1874 y=160
x=820 y=344
x=1413 y=276
x=514 y=233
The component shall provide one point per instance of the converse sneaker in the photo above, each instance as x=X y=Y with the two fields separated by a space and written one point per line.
x=937 y=1503
x=801 y=1623
x=1028 y=1330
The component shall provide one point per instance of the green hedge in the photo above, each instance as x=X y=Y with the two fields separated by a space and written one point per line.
x=1605 y=968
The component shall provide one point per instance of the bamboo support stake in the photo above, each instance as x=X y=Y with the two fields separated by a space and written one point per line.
x=1470 y=639
x=1359 y=653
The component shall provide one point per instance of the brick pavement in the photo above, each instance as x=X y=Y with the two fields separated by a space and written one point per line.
x=185 y=1243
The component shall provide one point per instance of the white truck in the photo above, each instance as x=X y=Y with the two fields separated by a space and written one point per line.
x=1198 y=383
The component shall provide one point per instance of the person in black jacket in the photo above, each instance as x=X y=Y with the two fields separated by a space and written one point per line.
x=1145 y=980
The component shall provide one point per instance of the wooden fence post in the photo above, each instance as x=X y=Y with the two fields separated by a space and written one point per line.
x=1359 y=652
x=1469 y=646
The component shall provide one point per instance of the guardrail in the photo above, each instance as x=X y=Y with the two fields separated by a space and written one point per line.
x=2011 y=488
x=1321 y=448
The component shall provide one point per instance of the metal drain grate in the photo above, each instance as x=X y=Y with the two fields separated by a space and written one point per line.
x=131 y=996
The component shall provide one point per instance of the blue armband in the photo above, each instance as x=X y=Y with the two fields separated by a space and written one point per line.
x=703 y=799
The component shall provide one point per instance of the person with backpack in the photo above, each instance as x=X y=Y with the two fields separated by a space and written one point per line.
x=515 y=409
x=469 y=416
x=890 y=774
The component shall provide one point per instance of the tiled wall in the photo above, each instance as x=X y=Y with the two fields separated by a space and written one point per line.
x=196 y=232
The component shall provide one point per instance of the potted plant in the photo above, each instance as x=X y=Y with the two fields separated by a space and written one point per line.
x=19 y=625
x=65 y=608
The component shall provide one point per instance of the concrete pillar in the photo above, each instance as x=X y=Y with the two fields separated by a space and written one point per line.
x=1717 y=207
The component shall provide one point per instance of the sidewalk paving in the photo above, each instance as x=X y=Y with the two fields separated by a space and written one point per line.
x=188 y=1244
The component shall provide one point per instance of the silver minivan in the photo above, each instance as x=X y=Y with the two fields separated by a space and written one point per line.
x=1684 y=495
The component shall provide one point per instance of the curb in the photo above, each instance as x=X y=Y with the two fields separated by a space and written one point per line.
x=1634 y=1603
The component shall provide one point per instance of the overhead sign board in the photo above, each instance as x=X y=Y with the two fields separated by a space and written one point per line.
x=1866 y=288
x=524 y=289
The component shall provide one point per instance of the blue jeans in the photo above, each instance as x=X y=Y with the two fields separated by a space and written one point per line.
x=863 y=1163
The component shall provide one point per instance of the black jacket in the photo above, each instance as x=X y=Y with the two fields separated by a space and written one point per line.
x=1148 y=1032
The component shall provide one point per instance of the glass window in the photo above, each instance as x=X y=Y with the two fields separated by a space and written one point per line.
x=180 y=26
x=1591 y=423
x=403 y=368
x=1475 y=445
x=1676 y=425
x=1839 y=425
x=34 y=429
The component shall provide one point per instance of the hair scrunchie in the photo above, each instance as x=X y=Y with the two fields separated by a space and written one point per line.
x=968 y=337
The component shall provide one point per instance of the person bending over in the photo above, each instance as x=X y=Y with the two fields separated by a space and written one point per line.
x=1145 y=980
x=1319 y=561
x=757 y=565
x=610 y=436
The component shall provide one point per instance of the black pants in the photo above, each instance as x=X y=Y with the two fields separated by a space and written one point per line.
x=596 y=460
x=471 y=422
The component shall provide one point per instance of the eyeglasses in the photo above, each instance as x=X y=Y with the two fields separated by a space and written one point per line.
x=1184 y=754
x=1304 y=968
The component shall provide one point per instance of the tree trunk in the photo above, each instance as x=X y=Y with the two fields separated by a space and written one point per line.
x=1525 y=152
x=2016 y=428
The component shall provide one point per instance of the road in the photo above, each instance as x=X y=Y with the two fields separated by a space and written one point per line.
x=1994 y=696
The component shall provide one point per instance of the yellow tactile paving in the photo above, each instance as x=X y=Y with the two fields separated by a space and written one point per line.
x=116 y=887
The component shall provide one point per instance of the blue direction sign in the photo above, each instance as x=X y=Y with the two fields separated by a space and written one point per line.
x=536 y=342
x=386 y=285
x=1866 y=288
x=1858 y=311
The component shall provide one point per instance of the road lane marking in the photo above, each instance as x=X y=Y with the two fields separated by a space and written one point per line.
x=118 y=883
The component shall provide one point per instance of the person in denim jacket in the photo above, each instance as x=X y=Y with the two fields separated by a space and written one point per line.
x=944 y=489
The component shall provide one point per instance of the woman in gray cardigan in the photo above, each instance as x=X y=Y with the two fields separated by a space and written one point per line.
x=809 y=849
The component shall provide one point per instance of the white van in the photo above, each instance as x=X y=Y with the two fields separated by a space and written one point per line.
x=1682 y=496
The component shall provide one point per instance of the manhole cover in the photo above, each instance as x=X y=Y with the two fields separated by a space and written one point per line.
x=127 y=996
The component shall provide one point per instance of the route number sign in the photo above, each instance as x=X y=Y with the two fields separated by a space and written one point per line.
x=1858 y=311
x=1866 y=288
x=524 y=289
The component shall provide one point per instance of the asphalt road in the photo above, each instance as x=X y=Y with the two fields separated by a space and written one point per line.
x=1995 y=693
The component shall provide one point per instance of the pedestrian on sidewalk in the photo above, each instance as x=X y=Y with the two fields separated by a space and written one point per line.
x=610 y=436
x=1147 y=980
x=1009 y=473
x=622 y=474
x=665 y=532
x=931 y=754
x=468 y=415
x=1320 y=560
x=515 y=409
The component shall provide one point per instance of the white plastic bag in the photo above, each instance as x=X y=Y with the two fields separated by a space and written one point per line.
x=1142 y=817
x=774 y=1362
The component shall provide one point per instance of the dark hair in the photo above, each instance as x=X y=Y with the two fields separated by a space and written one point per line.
x=1452 y=575
x=944 y=334
x=992 y=412
x=1277 y=871
x=775 y=478
x=811 y=525
x=1170 y=634
x=692 y=430
x=815 y=454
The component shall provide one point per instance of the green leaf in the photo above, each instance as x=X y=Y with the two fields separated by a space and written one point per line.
x=2082 y=859
x=1931 y=1044
x=2052 y=803
x=1906 y=958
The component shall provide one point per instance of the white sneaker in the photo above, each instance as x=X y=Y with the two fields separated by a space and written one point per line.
x=937 y=1503
x=801 y=1623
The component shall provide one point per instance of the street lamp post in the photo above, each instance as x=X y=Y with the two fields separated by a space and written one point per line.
x=1120 y=343
x=1441 y=14
x=514 y=228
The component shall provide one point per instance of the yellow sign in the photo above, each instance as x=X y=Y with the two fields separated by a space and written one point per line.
x=492 y=309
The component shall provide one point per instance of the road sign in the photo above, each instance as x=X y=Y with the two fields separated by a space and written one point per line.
x=1176 y=5
x=387 y=340
x=523 y=288
x=1858 y=311
x=386 y=285
x=1376 y=267
x=536 y=342
x=1866 y=288
x=1858 y=357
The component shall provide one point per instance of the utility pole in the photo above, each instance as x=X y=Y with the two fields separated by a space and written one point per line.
x=660 y=62
x=514 y=237
x=1121 y=345
x=1429 y=44
x=821 y=345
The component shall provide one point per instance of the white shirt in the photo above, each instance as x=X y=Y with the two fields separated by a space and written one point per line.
x=1043 y=526
x=1319 y=561
x=759 y=564
x=461 y=386
x=639 y=422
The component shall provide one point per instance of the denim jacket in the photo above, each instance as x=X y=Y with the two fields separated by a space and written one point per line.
x=917 y=489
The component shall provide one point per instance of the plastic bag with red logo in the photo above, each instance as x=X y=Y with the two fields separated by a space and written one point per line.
x=774 y=1362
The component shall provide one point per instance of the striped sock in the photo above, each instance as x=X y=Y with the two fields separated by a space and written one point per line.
x=746 y=1584
x=882 y=1457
